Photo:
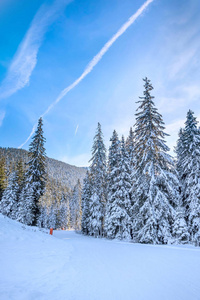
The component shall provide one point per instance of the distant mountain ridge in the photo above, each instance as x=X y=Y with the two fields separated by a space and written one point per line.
x=66 y=174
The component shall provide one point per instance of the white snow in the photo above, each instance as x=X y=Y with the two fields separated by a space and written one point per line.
x=69 y=266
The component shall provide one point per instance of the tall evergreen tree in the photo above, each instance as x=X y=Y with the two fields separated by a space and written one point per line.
x=76 y=207
x=36 y=172
x=9 y=202
x=189 y=156
x=130 y=147
x=43 y=217
x=98 y=177
x=113 y=172
x=26 y=205
x=86 y=196
x=156 y=193
x=180 y=229
x=179 y=150
x=118 y=220
x=52 y=218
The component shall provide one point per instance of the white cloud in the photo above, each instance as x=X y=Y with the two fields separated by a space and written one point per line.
x=182 y=62
x=174 y=127
x=24 y=61
x=183 y=95
x=192 y=92
x=183 y=45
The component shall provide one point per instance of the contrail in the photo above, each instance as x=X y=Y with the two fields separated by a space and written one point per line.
x=25 y=59
x=94 y=61
x=76 y=129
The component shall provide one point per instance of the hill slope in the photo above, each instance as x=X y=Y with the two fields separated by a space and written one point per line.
x=66 y=174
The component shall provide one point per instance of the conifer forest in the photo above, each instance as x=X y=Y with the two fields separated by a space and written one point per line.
x=135 y=191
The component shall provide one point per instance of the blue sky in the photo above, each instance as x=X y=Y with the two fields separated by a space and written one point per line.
x=47 y=45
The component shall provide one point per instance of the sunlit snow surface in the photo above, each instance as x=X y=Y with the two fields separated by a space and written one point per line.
x=69 y=266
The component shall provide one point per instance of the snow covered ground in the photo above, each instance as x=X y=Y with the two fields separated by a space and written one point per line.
x=69 y=266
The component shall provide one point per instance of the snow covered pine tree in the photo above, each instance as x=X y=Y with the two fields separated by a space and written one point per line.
x=113 y=169
x=76 y=207
x=36 y=172
x=9 y=202
x=118 y=208
x=86 y=195
x=130 y=147
x=156 y=181
x=98 y=177
x=188 y=154
x=180 y=228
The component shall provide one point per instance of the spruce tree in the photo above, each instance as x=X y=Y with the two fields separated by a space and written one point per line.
x=130 y=146
x=76 y=207
x=118 y=220
x=26 y=205
x=98 y=178
x=180 y=229
x=43 y=217
x=9 y=202
x=156 y=181
x=36 y=173
x=124 y=193
x=52 y=217
x=86 y=195
x=189 y=155
x=179 y=150
x=113 y=170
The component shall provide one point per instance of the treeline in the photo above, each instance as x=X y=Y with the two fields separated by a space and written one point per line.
x=29 y=195
x=141 y=193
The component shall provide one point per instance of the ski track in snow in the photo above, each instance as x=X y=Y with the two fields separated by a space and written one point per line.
x=69 y=266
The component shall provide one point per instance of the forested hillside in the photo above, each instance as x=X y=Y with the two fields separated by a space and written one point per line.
x=64 y=173
x=59 y=205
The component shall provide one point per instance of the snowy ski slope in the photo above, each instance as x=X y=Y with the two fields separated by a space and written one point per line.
x=69 y=266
